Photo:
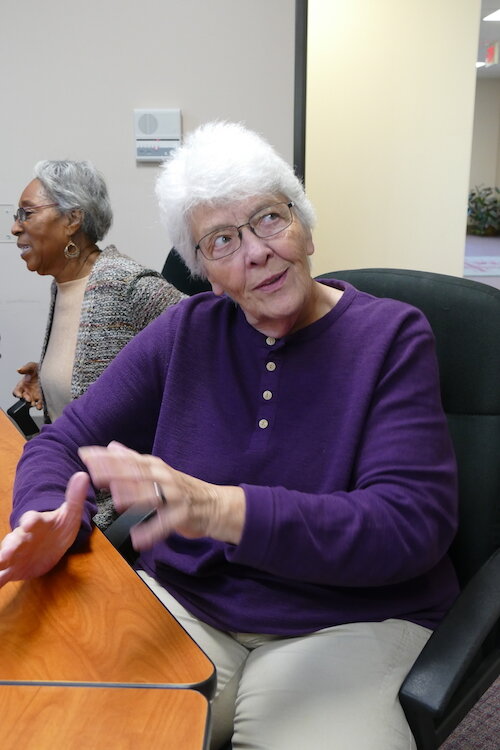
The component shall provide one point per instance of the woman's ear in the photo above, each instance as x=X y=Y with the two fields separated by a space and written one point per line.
x=75 y=220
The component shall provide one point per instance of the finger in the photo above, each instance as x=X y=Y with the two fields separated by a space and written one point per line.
x=159 y=494
x=146 y=490
x=129 y=492
x=106 y=464
x=94 y=459
x=76 y=492
x=28 y=367
x=10 y=544
x=145 y=534
x=129 y=476
x=115 y=446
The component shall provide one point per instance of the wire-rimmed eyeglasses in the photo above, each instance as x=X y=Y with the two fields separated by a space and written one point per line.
x=24 y=213
x=264 y=223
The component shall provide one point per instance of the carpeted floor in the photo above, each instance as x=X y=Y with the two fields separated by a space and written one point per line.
x=480 y=730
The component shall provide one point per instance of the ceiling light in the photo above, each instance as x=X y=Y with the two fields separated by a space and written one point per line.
x=495 y=16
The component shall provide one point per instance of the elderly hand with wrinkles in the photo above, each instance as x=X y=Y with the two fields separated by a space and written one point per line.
x=41 y=538
x=184 y=504
x=28 y=387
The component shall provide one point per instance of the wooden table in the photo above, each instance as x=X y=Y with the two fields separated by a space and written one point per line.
x=91 y=622
x=44 y=717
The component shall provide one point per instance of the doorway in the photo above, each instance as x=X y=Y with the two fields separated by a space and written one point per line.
x=482 y=253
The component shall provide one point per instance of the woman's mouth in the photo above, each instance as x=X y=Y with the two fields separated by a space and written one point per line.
x=273 y=283
x=24 y=249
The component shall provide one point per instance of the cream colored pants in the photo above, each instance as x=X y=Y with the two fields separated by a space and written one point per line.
x=336 y=689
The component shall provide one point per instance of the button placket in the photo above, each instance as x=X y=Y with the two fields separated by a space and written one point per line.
x=267 y=392
x=266 y=395
x=266 y=412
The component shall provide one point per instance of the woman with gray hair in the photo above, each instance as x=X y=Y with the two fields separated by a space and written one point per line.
x=99 y=298
x=290 y=436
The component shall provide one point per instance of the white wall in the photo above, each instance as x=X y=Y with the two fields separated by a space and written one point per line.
x=485 y=159
x=389 y=131
x=72 y=74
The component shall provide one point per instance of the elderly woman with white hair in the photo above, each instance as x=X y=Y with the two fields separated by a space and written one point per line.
x=290 y=435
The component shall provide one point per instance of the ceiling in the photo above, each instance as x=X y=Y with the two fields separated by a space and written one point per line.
x=489 y=31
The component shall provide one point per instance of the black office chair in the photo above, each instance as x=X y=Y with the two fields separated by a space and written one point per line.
x=178 y=274
x=462 y=657
x=20 y=414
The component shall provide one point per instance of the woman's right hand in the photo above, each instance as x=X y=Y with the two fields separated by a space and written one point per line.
x=28 y=387
x=42 y=537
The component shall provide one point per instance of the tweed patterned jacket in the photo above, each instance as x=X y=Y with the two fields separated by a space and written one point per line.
x=120 y=299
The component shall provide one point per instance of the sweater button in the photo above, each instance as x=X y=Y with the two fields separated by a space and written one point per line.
x=271 y=366
x=270 y=340
x=263 y=423
x=267 y=395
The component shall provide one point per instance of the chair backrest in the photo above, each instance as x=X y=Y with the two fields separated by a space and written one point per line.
x=177 y=273
x=465 y=318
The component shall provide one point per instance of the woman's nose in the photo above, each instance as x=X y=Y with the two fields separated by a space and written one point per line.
x=16 y=228
x=256 y=249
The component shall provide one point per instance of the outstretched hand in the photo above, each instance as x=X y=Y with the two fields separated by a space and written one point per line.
x=28 y=387
x=41 y=538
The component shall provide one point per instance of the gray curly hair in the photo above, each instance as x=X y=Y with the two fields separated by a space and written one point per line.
x=219 y=163
x=78 y=184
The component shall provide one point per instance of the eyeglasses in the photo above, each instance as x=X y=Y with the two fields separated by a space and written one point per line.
x=264 y=223
x=22 y=214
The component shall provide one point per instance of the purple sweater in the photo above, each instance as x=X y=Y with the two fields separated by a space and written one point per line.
x=350 y=488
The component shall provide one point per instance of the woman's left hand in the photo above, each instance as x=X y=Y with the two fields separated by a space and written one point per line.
x=185 y=505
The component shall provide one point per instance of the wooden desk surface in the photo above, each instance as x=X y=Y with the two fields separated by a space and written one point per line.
x=91 y=619
x=44 y=717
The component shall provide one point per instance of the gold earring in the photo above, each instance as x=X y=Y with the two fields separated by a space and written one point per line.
x=71 y=251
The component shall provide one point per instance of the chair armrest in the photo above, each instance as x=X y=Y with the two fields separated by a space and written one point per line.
x=461 y=658
x=20 y=414
x=118 y=532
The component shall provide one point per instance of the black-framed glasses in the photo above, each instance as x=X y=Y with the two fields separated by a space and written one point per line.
x=264 y=223
x=24 y=213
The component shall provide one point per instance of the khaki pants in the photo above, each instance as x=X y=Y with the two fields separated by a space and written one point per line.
x=335 y=689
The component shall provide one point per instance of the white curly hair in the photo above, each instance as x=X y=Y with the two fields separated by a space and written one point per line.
x=221 y=163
